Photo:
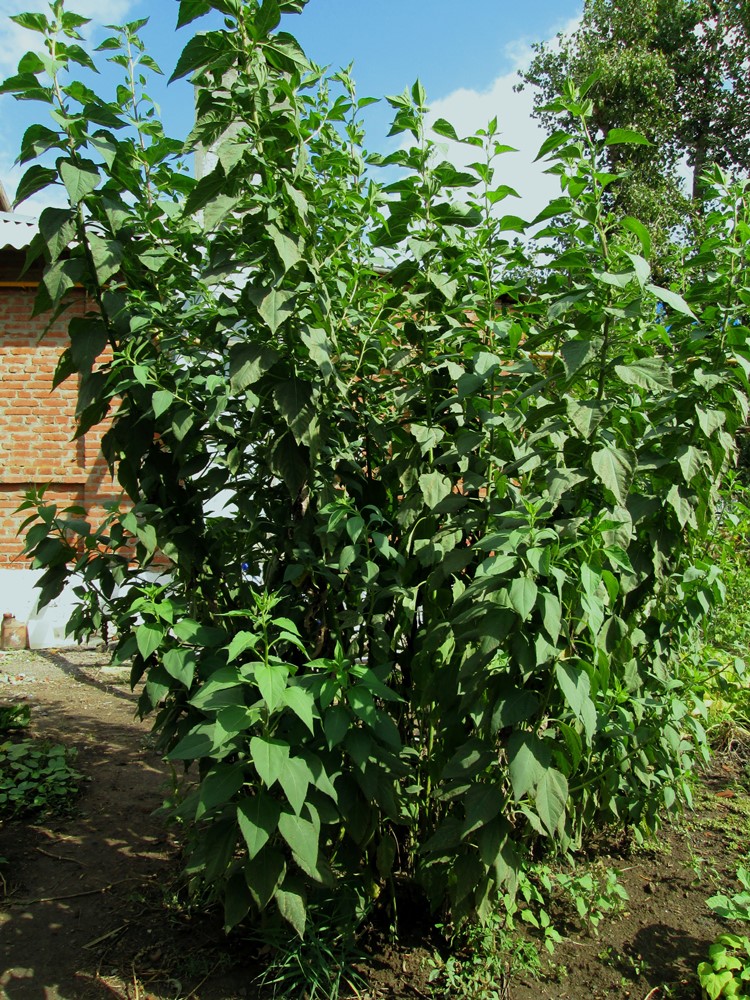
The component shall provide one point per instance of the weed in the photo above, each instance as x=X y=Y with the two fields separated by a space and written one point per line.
x=35 y=776
x=316 y=967
x=727 y=972
x=482 y=961
x=14 y=717
x=736 y=907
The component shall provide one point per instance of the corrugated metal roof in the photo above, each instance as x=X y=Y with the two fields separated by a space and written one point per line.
x=16 y=231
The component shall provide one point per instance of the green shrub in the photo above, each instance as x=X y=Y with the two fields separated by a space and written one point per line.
x=435 y=627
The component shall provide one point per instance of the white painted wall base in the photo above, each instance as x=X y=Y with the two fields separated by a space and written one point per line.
x=19 y=597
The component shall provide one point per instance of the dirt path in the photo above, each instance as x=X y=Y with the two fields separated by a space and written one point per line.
x=84 y=892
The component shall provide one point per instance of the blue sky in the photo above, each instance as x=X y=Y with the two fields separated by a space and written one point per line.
x=466 y=55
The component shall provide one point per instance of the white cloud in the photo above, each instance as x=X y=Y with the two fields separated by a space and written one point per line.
x=14 y=40
x=469 y=110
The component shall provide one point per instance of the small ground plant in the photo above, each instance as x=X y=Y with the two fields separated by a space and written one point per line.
x=36 y=777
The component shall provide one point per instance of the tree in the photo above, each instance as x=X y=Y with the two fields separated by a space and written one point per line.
x=674 y=70
x=436 y=621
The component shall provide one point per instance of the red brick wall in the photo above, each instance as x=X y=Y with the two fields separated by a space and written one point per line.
x=36 y=422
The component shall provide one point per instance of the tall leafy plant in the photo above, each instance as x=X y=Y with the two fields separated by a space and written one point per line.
x=408 y=533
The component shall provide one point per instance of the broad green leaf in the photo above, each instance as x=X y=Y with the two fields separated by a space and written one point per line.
x=248 y=362
x=198 y=743
x=161 y=400
x=287 y=248
x=302 y=838
x=435 y=488
x=528 y=759
x=302 y=704
x=640 y=231
x=551 y=798
x=195 y=634
x=692 y=462
x=79 y=179
x=237 y=901
x=292 y=907
x=275 y=306
x=620 y=136
x=551 y=615
x=258 y=818
x=181 y=664
x=512 y=708
x=575 y=685
x=35 y=179
x=149 y=638
x=218 y=787
x=295 y=778
x=240 y=644
x=270 y=757
x=681 y=506
x=647 y=373
x=444 y=128
x=615 y=469
x=523 y=593
x=575 y=354
x=264 y=874
x=336 y=723
x=672 y=299
x=482 y=804
x=271 y=679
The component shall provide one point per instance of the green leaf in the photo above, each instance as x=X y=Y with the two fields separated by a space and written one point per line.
x=523 y=593
x=435 y=488
x=263 y=875
x=80 y=179
x=528 y=759
x=258 y=819
x=295 y=778
x=274 y=305
x=270 y=757
x=615 y=469
x=551 y=798
x=287 y=248
x=148 y=638
x=218 y=787
x=292 y=907
x=237 y=901
x=302 y=838
x=444 y=128
x=190 y=10
x=197 y=743
x=180 y=664
x=336 y=723
x=240 y=644
x=271 y=679
x=302 y=704
x=195 y=634
x=248 y=363
x=161 y=400
x=576 y=688
x=672 y=299
x=35 y=179
x=692 y=462
x=640 y=231
x=647 y=373
x=620 y=136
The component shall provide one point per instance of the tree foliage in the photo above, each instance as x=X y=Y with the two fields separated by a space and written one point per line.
x=405 y=552
x=674 y=70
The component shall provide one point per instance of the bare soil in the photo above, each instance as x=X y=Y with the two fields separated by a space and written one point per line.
x=92 y=905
